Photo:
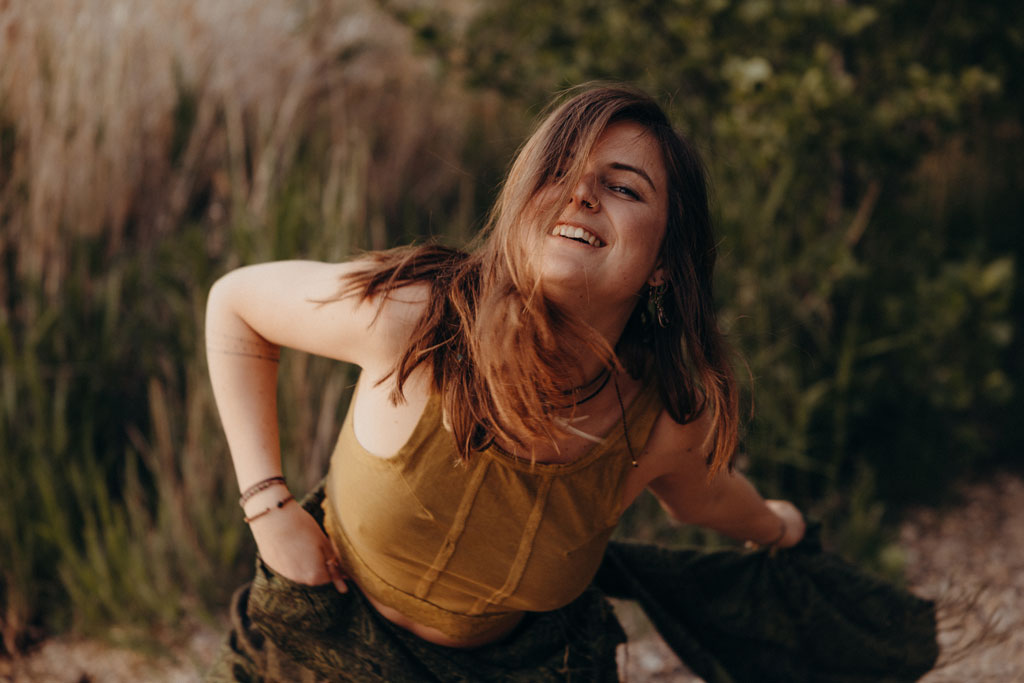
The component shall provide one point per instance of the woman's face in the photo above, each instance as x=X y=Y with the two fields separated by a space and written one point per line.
x=605 y=245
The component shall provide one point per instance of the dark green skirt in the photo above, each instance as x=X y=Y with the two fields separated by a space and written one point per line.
x=798 y=615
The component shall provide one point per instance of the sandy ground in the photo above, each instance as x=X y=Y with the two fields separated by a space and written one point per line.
x=970 y=556
x=971 y=559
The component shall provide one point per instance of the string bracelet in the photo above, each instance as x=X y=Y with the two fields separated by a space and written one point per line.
x=261 y=485
x=280 y=504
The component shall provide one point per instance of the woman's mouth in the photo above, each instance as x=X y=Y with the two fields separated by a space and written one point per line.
x=577 y=233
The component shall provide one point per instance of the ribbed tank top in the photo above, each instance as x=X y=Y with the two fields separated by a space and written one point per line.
x=466 y=548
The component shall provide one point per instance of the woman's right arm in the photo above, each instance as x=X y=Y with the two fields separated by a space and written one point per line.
x=677 y=474
x=251 y=313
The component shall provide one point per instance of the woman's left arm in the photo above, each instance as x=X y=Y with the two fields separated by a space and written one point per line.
x=727 y=502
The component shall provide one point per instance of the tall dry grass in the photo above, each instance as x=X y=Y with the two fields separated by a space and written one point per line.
x=145 y=147
x=119 y=113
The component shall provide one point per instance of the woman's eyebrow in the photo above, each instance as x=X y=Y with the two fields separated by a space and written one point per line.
x=639 y=171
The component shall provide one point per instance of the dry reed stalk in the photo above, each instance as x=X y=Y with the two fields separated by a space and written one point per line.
x=124 y=112
x=127 y=121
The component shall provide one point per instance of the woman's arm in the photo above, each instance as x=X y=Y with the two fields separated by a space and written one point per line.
x=727 y=503
x=730 y=505
x=251 y=313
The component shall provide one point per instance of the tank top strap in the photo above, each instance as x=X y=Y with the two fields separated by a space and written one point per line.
x=642 y=413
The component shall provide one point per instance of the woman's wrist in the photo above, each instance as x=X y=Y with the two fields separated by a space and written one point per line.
x=266 y=500
x=250 y=518
x=262 y=485
x=773 y=541
x=792 y=521
x=778 y=538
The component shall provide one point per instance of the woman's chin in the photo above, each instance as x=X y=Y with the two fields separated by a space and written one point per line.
x=565 y=282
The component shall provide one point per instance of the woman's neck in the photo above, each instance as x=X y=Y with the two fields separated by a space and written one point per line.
x=608 y=320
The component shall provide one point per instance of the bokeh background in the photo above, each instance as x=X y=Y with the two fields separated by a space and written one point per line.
x=868 y=191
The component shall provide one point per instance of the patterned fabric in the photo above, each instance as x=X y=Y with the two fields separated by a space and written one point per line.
x=286 y=631
x=282 y=631
x=796 y=616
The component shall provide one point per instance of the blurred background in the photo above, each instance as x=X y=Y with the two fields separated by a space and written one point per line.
x=868 y=193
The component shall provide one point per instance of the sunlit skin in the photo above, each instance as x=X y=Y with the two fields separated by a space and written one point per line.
x=621 y=200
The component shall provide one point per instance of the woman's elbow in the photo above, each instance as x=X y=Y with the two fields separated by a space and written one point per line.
x=219 y=306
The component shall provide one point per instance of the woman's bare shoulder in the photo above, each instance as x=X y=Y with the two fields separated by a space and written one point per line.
x=298 y=304
x=678 y=447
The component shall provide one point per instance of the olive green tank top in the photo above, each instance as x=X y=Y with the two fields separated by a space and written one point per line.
x=466 y=548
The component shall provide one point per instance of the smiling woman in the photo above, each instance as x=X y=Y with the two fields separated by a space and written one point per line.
x=513 y=401
x=615 y=210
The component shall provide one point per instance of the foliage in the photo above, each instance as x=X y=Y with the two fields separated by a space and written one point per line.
x=132 y=173
x=877 y=338
x=868 y=193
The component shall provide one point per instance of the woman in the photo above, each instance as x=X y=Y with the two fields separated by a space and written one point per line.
x=513 y=401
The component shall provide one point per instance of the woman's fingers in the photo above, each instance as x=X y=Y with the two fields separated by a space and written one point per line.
x=294 y=546
x=793 y=519
x=337 y=576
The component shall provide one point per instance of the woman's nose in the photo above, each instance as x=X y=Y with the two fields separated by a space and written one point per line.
x=584 y=194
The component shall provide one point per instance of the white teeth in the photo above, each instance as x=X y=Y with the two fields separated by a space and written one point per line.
x=575 y=232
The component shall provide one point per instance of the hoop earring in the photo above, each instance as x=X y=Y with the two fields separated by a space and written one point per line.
x=658 y=299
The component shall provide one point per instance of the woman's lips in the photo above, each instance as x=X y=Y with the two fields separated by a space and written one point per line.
x=577 y=232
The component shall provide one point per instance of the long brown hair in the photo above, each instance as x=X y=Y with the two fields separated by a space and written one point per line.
x=498 y=347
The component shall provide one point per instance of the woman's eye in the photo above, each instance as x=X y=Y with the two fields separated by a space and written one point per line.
x=623 y=189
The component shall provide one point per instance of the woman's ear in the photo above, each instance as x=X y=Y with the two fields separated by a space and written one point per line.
x=657 y=277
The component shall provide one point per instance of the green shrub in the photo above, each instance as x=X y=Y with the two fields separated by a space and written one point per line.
x=877 y=326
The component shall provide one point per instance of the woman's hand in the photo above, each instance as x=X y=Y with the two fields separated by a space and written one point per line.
x=292 y=544
x=792 y=519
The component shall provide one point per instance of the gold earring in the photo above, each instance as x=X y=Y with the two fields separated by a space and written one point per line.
x=658 y=299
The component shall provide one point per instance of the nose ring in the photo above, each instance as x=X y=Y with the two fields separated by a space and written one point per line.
x=589 y=204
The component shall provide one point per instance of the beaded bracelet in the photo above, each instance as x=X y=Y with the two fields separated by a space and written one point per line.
x=261 y=485
x=280 y=504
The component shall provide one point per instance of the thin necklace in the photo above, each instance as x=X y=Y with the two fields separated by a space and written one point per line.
x=603 y=376
x=622 y=410
x=625 y=427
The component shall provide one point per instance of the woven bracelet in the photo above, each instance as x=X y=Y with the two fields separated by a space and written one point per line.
x=262 y=485
x=280 y=504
